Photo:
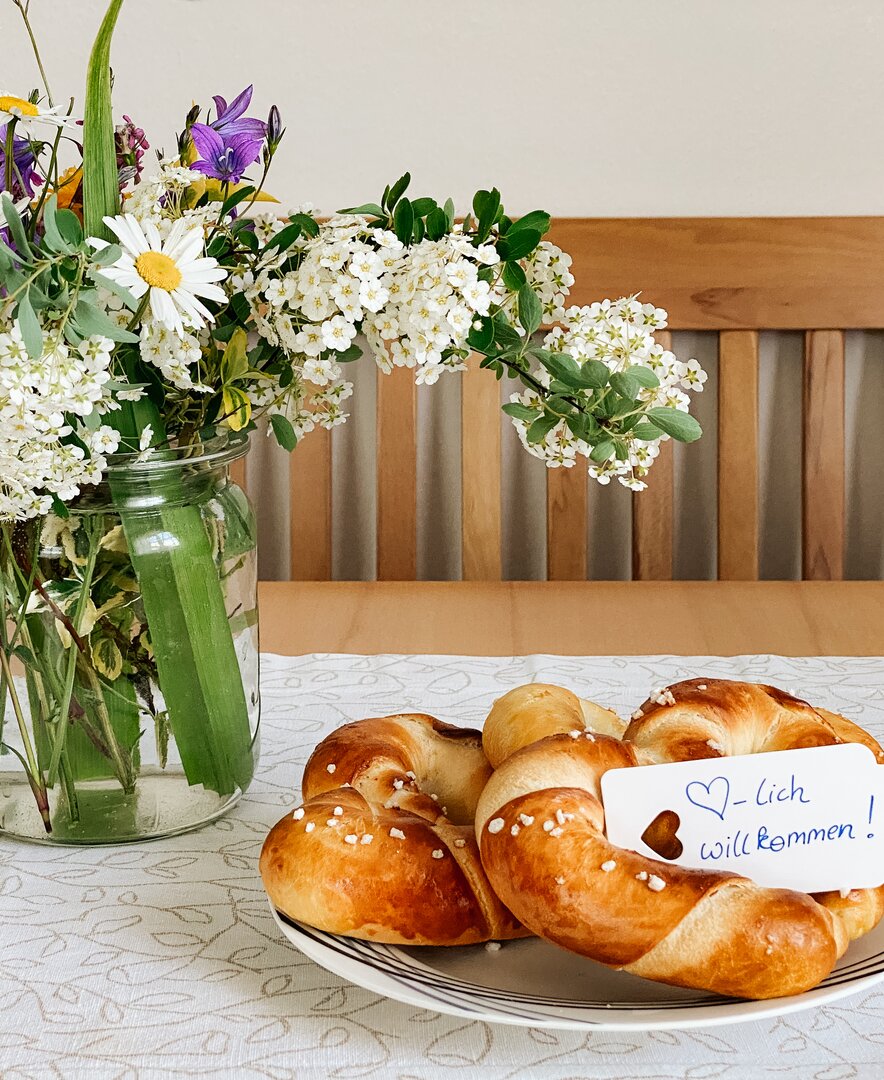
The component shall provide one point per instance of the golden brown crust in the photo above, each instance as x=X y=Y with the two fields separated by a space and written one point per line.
x=374 y=851
x=540 y=821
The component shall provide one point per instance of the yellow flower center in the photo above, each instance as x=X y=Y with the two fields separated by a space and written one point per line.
x=17 y=106
x=158 y=270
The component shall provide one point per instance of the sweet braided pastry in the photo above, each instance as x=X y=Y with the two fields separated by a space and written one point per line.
x=383 y=846
x=541 y=826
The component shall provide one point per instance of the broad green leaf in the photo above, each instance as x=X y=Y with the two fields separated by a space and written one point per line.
x=107 y=256
x=90 y=320
x=646 y=432
x=482 y=339
x=486 y=205
x=29 y=326
x=234 y=361
x=602 y=451
x=518 y=245
x=519 y=411
x=530 y=311
x=537 y=220
x=16 y=226
x=54 y=240
x=366 y=208
x=284 y=432
x=396 y=192
x=284 y=238
x=235 y=198
x=541 y=427
x=235 y=408
x=625 y=384
x=423 y=206
x=437 y=224
x=107 y=658
x=679 y=425
x=403 y=221
x=589 y=376
x=513 y=276
x=115 y=288
x=101 y=186
x=348 y=355
x=645 y=376
x=309 y=225
x=449 y=212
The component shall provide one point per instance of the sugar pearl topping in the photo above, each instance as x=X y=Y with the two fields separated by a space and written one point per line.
x=549 y=825
x=642 y=875
x=298 y=814
x=460 y=842
x=350 y=838
x=560 y=881
x=397 y=834
x=332 y=822
x=526 y=819
x=398 y=784
x=492 y=946
x=514 y=830
x=338 y=811
x=495 y=825
x=557 y=831
x=330 y=768
x=575 y=734
x=310 y=826
x=662 y=696
x=702 y=686
x=367 y=838
x=438 y=853
x=637 y=715
x=609 y=865
x=656 y=884
x=410 y=775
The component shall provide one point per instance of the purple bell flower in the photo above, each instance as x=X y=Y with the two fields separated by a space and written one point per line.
x=224 y=159
x=230 y=120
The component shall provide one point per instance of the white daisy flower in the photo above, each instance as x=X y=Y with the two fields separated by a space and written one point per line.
x=174 y=270
x=28 y=113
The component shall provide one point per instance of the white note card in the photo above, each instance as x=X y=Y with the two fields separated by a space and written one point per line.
x=811 y=820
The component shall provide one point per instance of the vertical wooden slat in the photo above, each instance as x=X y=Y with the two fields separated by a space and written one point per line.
x=397 y=476
x=652 y=513
x=566 y=523
x=310 y=514
x=480 y=474
x=738 y=455
x=823 y=457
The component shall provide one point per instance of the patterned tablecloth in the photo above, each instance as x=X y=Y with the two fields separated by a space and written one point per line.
x=160 y=960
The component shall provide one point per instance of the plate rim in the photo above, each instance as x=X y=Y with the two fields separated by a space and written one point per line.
x=717 y=1013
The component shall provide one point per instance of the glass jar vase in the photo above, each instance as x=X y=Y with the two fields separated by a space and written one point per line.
x=129 y=641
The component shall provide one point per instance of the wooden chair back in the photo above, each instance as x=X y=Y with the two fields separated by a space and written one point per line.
x=736 y=276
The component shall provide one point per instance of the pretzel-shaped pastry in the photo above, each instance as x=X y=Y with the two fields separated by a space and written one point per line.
x=383 y=846
x=541 y=822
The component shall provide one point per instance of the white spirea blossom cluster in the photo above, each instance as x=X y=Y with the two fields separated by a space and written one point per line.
x=619 y=333
x=42 y=402
x=415 y=306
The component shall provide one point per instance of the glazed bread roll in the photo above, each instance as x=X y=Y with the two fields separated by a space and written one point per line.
x=541 y=826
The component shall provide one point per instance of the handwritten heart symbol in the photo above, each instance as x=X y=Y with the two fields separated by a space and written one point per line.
x=661 y=835
x=705 y=797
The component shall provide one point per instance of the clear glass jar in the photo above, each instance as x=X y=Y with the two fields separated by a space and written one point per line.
x=135 y=618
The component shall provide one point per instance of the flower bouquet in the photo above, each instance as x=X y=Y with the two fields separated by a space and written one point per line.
x=148 y=323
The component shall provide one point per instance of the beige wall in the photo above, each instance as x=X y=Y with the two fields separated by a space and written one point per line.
x=584 y=107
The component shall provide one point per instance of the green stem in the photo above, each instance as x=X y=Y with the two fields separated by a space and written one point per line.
x=24 y=14
x=9 y=156
x=35 y=777
x=73 y=653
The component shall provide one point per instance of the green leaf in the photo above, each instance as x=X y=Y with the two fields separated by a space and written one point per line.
x=16 y=226
x=396 y=191
x=602 y=451
x=625 y=384
x=646 y=432
x=423 y=206
x=592 y=375
x=403 y=221
x=679 y=425
x=530 y=311
x=366 y=208
x=308 y=224
x=486 y=205
x=348 y=355
x=234 y=361
x=54 y=240
x=518 y=245
x=449 y=212
x=115 y=288
x=645 y=377
x=69 y=226
x=285 y=237
x=541 y=427
x=437 y=224
x=537 y=220
x=107 y=658
x=513 y=276
x=519 y=411
x=107 y=255
x=284 y=432
x=101 y=187
x=31 y=333
x=91 y=321
x=482 y=339
x=236 y=198
x=235 y=408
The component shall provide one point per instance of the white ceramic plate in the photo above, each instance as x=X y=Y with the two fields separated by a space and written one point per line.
x=534 y=983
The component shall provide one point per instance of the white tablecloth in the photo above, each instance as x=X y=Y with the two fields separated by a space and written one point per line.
x=160 y=960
